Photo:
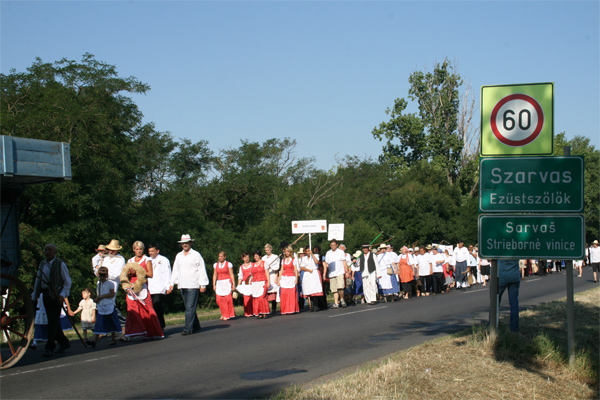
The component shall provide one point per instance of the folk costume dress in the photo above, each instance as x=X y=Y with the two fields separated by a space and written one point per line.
x=246 y=289
x=273 y=265
x=311 y=282
x=107 y=320
x=406 y=272
x=223 y=289
x=260 y=305
x=141 y=318
x=288 y=291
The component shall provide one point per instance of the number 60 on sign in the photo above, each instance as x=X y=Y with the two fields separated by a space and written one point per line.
x=517 y=119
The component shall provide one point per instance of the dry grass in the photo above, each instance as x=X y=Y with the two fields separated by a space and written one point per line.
x=529 y=365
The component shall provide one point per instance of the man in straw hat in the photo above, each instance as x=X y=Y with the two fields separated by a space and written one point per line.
x=54 y=281
x=189 y=274
x=593 y=257
x=114 y=262
x=97 y=259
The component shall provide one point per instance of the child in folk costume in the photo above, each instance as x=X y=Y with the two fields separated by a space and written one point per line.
x=260 y=284
x=288 y=279
x=223 y=284
x=141 y=317
x=88 y=311
x=311 y=282
x=107 y=320
x=244 y=286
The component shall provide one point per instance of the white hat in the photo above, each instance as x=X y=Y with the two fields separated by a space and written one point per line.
x=185 y=239
x=383 y=246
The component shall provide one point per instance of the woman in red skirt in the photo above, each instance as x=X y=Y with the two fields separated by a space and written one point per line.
x=260 y=285
x=244 y=286
x=223 y=284
x=288 y=279
x=141 y=317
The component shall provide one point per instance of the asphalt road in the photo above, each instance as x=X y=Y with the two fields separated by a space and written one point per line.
x=249 y=358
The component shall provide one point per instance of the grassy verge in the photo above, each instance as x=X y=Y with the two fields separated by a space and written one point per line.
x=532 y=364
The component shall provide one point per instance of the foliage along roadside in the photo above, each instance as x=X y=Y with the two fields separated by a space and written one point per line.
x=131 y=182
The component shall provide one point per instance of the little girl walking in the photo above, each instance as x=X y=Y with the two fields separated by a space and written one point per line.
x=107 y=320
x=88 y=311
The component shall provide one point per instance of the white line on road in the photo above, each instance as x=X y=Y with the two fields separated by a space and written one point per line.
x=356 y=312
x=473 y=291
x=533 y=280
x=56 y=366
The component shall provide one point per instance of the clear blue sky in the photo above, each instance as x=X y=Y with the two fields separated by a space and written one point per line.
x=322 y=73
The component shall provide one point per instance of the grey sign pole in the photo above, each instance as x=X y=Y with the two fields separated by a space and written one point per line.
x=570 y=300
x=493 y=325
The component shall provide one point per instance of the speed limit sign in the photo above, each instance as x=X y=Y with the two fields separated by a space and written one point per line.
x=517 y=119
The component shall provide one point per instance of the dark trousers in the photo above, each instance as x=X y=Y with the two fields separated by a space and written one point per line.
x=157 y=303
x=438 y=282
x=513 y=300
x=425 y=283
x=55 y=333
x=190 y=301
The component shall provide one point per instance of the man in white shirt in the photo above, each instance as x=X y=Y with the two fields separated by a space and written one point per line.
x=369 y=266
x=472 y=263
x=424 y=271
x=159 y=283
x=335 y=263
x=593 y=256
x=437 y=260
x=54 y=281
x=189 y=274
x=459 y=258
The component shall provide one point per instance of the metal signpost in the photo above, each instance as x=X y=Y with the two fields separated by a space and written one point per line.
x=518 y=120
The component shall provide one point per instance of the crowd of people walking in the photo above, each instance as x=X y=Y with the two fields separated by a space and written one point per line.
x=295 y=280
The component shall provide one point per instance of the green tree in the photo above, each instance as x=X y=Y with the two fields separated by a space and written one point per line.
x=581 y=146
x=431 y=135
x=85 y=104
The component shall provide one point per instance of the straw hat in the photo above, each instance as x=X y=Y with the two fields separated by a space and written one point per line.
x=185 y=238
x=595 y=242
x=113 y=245
x=382 y=246
x=101 y=248
x=357 y=254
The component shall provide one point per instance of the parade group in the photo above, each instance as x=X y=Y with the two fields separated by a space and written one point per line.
x=295 y=280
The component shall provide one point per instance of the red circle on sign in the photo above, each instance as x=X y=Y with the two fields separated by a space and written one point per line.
x=537 y=130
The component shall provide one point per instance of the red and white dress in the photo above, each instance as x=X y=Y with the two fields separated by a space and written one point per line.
x=141 y=318
x=288 y=291
x=245 y=289
x=223 y=289
x=259 y=288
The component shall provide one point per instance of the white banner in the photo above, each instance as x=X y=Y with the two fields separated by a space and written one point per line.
x=314 y=226
x=336 y=231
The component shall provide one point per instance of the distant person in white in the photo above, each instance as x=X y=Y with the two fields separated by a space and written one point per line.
x=593 y=255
